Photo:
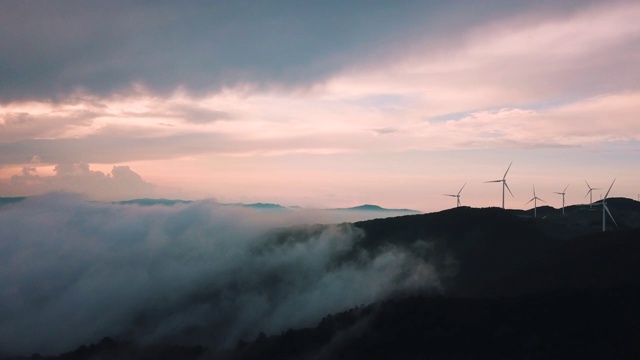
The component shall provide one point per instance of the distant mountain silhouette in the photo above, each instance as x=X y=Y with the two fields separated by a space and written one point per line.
x=260 y=206
x=369 y=207
x=151 y=202
x=263 y=206
x=170 y=202
x=11 y=200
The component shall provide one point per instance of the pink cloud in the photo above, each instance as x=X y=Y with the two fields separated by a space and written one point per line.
x=122 y=183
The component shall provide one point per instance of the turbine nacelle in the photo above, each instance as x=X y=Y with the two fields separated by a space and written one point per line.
x=590 y=193
x=504 y=183
x=457 y=196
x=563 y=193
x=535 y=202
x=605 y=208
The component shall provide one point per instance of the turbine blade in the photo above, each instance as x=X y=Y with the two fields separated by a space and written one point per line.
x=528 y=201
x=565 y=189
x=505 y=184
x=587 y=193
x=541 y=200
x=558 y=193
x=534 y=191
x=491 y=181
x=607 y=194
x=465 y=184
x=611 y=216
x=450 y=195
x=505 y=173
x=589 y=186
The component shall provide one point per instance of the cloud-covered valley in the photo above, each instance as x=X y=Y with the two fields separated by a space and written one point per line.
x=73 y=271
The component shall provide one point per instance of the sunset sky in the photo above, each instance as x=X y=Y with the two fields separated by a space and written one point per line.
x=320 y=103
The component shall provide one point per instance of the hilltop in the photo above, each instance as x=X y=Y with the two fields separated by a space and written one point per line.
x=585 y=219
x=510 y=289
x=475 y=247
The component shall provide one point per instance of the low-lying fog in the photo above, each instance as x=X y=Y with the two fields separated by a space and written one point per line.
x=73 y=271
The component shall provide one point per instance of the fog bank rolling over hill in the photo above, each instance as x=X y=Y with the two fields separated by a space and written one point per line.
x=74 y=271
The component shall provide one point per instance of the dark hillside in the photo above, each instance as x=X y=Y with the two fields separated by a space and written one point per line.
x=471 y=247
x=475 y=250
x=596 y=260
x=595 y=324
x=557 y=299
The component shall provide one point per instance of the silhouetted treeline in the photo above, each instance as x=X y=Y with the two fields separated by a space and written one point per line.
x=110 y=349
x=594 y=323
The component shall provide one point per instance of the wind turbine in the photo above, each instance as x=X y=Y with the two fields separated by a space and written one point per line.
x=590 y=193
x=605 y=208
x=457 y=195
x=504 y=183
x=535 y=202
x=562 y=193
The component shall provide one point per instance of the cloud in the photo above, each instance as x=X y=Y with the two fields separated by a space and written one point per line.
x=271 y=127
x=601 y=119
x=199 y=114
x=121 y=183
x=526 y=58
x=109 y=48
x=74 y=271
x=106 y=48
x=34 y=123
x=385 y=131
x=521 y=60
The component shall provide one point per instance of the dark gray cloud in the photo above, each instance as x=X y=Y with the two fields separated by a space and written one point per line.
x=74 y=271
x=51 y=49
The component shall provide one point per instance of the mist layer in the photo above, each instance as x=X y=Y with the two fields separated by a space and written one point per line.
x=73 y=271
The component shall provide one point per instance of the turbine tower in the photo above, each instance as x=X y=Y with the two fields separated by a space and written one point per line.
x=605 y=208
x=535 y=202
x=504 y=183
x=590 y=193
x=562 y=193
x=457 y=196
